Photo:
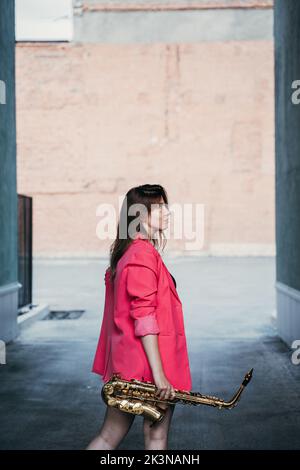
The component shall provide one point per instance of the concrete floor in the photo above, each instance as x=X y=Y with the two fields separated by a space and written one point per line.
x=49 y=398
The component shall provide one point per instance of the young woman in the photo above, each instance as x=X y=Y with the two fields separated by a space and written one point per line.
x=142 y=334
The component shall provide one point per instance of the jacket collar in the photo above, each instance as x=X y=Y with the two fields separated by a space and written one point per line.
x=139 y=235
x=171 y=282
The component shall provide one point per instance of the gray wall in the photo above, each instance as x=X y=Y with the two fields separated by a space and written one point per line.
x=8 y=196
x=287 y=69
x=124 y=27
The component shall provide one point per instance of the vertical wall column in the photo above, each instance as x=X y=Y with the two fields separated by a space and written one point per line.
x=287 y=128
x=8 y=193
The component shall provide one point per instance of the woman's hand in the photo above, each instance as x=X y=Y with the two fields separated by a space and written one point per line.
x=165 y=389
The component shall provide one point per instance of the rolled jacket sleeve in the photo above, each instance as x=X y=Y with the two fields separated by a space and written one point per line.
x=142 y=289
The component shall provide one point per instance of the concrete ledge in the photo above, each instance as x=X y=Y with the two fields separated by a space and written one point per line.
x=8 y=311
x=36 y=313
x=288 y=313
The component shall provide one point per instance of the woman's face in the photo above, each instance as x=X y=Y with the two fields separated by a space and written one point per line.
x=159 y=216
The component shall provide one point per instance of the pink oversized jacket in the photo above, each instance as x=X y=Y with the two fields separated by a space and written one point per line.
x=142 y=300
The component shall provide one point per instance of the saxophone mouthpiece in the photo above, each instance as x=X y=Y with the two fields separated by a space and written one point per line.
x=248 y=377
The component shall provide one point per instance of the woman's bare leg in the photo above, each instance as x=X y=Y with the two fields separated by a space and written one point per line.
x=114 y=428
x=156 y=438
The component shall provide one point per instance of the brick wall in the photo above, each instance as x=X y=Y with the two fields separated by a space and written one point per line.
x=95 y=119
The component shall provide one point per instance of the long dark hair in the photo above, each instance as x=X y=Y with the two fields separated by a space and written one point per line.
x=145 y=194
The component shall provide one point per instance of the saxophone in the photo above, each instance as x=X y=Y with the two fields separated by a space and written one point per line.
x=139 y=398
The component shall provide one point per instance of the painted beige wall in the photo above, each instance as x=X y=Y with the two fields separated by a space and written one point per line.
x=94 y=120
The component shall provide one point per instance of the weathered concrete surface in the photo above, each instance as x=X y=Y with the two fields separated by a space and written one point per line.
x=50 y=399
x=174 y=26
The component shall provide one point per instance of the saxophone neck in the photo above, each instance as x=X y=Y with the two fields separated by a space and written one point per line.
x=195 y=398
